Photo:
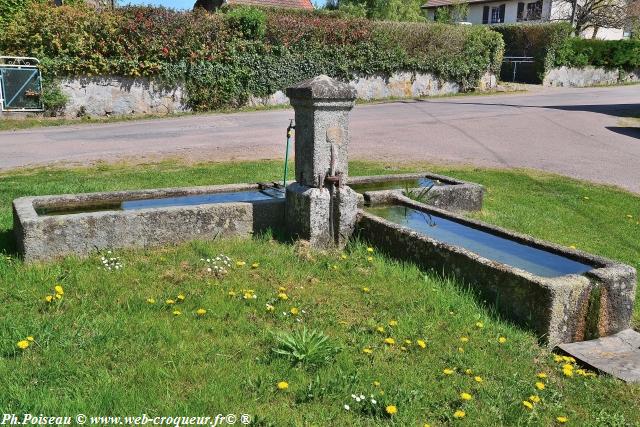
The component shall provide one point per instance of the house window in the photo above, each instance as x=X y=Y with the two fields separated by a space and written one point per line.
x=497 y=14
x=493 y=15
x=533 y=11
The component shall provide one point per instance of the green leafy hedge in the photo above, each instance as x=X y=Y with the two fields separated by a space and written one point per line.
x=621 y=54
x=542 y=41
x=224 y=58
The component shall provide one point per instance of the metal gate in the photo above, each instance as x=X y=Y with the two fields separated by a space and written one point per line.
x=20 y=84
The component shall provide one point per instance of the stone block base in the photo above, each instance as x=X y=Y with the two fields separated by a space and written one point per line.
x=308 y=215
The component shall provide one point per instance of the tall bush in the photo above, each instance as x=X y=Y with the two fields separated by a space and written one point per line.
x=621 y=54
x=224 y=58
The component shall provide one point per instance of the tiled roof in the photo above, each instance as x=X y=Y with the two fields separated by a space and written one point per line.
x=437 y=3
x=292 y=4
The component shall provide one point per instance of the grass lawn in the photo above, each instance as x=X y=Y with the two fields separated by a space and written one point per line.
x=103 y=349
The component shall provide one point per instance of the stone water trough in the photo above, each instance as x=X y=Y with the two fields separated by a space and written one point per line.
x=47 y=227
x=562 y=294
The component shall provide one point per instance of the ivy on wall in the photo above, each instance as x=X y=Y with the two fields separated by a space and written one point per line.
x=223 y=58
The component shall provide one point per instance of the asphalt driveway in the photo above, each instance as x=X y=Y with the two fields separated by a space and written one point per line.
x=580 y=133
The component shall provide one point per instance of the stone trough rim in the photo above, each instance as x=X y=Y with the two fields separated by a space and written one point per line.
x=597 y=262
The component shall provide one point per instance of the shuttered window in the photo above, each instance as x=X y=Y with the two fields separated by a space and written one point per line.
x=497 y=14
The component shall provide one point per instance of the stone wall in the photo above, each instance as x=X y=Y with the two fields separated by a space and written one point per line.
x=588 y=76
x=104 y=96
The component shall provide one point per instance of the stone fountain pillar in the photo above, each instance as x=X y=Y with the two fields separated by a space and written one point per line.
x=320 y=208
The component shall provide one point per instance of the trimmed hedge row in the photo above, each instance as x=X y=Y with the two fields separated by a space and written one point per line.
x=621 y=54
x=224 y=58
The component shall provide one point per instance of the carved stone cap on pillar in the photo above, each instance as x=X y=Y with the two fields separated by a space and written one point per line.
x=322 y=107
x=321 y=87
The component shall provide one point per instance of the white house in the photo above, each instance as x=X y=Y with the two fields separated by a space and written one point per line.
x=515 y=11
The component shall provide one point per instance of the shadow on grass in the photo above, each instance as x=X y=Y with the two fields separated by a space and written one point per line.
x=8 y=244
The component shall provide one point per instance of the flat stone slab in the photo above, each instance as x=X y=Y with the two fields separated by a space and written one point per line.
x=617 y=355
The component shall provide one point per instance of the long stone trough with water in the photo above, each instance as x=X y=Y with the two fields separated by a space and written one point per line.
x=564 y=295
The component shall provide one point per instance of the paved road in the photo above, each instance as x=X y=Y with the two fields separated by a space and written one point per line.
x=574 y=132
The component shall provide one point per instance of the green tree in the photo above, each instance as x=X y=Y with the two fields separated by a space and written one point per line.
x=387 y=10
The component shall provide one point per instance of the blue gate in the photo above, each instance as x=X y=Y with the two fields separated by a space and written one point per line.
x=20 y=84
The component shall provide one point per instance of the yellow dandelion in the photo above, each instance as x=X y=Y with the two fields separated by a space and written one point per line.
x=240 y=263
x=255 y=265
x=426 y=425
x=201 y=312
x=572 y=246
x=170 y=302
x=389 y=341
x=478 y=379
x=177 y=312
x=540 y=386
x=421 y=343
x=464 y=339
x=151 y=300
x=479 y=325
x=376 y=383
x=282 y=385
x=370 y=258
x=460 y=350
x=567 y=372
x=58 y=296
x=562 y=420
x=557 y=358
x=232 y=294
x=59 y=290
x=48 y=298
x=448 y=371
x=282 y=289
x=408 y=342
x=391 y=409
x=366 y=290
x=270 y=307
x=343 y=256
x=465 y=396
x=294 y=311
x=541 y=375
x=468 y=371
x=283 y=296
x=367 y=350
x=527 y=404
x=459 y=414
x=534 y=398
x=30 y=339
x=23 y=344
x=380 y=329
x=393 y=323
x=568 y=359
x=370 y=250
x=502 y=340
x=180 y=297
